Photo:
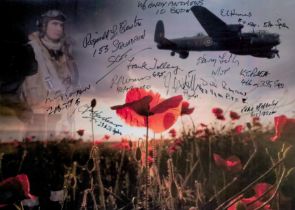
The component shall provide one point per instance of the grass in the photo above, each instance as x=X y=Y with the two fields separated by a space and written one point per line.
x=182 y=171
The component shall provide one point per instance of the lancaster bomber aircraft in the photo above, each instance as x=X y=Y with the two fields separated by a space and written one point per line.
x=222 y=37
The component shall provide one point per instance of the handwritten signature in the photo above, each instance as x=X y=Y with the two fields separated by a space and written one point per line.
x=57 y=102
x=261 y=109
x=92 y=39
x=225 y=58
x=100 y=119
x=119 y=59
x=155 y=65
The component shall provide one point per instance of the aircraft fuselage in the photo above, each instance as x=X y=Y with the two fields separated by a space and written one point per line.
x=246 y=41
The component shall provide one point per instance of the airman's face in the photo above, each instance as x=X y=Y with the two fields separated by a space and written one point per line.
x=55 y=30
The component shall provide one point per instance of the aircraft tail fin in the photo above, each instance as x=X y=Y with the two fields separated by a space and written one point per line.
x=159 y=32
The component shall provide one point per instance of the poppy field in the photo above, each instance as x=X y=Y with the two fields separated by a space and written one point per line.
x=235 y=166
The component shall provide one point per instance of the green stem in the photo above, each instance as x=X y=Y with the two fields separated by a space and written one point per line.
x=99 y=180
x=183 y=126
x=194 y=127
x=146 y=163
x=92 y=129
x=119 y=173
x=210 y=164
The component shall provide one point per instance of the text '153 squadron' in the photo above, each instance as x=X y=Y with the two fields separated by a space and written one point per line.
x=221 y=37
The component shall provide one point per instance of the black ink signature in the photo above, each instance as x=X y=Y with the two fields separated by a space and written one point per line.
x=176 y=7
x=121 y=61
x=156 y=65
x=279 y=24
x=118 y=58
x=123 y=80
x=232 y=12
x=263 y=83
x=225 y=58
x=101 y=120
x=261 y=109
x=91 y=39
x=119 y=45
x=255 y=72
x=63 y=106
x=191 y=86
x=123 y=89
x=63 y=101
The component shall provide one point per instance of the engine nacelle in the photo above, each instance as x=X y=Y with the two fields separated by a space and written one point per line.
x=270 y=54
x=235 y=27
x=260 y=41
x=183 y=54
x=264 y=55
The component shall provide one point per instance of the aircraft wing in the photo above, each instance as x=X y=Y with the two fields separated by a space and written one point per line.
x=214 y=26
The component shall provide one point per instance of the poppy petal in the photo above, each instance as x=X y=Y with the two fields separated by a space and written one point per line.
x=140 y=106
x=234 y=115
x=185 y=108
x=261 y=188
x=219 y=161
x=167 y=104
x=284 y=128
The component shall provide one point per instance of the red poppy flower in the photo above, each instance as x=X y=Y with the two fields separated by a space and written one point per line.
x=234 y=115
x=28 y=139
x=248 y=204
x=106 y=137
x=17 y=188
x=150 y=159
x=185 y=108
x=124 y=144
x=80 y=132
x=98 y=142
x=256 y=121
x=172 y=133
x=140 y=103
x=284 y=127
x=231 y=164
x=171 y=149
x=261 y=188
x=202 y=132
x=255 y=201
x=220 y=117
x=178 y=142
x=16 y=143
x=218 y=113
x=175 y=146
x=239 y=129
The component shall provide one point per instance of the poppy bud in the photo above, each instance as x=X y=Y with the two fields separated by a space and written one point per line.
x=174 y=190
x=138 y=154
x=93 y=103
x=130 y=144
x=249 y=126
x=80 y=132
